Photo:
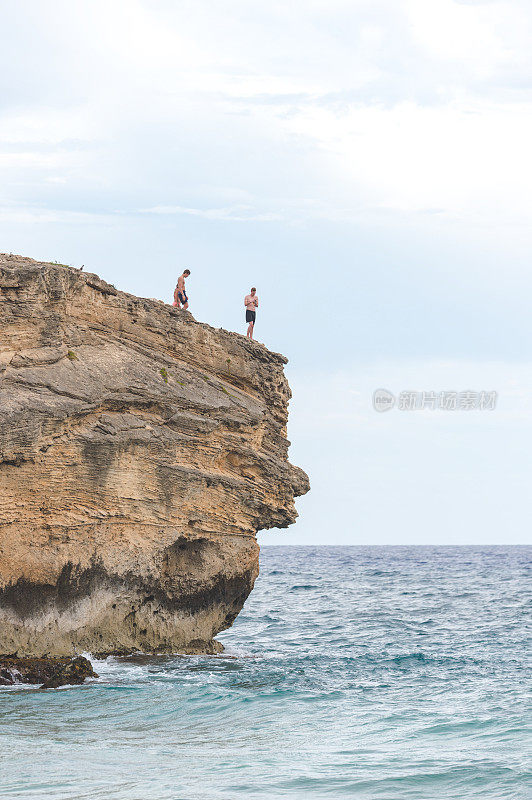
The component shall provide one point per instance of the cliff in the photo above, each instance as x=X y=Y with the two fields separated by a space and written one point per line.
x=140 y=452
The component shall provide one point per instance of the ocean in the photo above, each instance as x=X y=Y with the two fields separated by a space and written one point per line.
x=374 y=673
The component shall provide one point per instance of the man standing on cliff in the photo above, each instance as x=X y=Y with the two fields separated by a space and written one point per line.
x=180 y=295
x=251 y=302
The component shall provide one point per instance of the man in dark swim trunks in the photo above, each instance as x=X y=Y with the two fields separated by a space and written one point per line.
x=251 y=302
x=180 y=295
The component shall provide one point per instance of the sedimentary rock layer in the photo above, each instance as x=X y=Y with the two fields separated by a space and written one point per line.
x=140 y=452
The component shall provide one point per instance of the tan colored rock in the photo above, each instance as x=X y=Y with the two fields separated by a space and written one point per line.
x=140 y=452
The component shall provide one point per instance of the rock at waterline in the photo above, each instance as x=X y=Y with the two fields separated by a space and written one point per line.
x=49 y=672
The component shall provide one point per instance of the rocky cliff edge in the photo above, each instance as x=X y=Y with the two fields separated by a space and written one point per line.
x=140 y=452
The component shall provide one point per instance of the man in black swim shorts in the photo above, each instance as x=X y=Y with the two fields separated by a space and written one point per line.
x=180 y=295
x=251 y=302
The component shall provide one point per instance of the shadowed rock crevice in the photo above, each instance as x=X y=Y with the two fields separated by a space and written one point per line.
x=140 y=452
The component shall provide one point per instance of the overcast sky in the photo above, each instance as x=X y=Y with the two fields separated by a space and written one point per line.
x=365 y=163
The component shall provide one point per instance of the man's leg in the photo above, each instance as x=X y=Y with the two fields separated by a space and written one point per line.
x=250 y=330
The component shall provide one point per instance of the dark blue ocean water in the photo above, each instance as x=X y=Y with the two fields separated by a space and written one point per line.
x=362 y=672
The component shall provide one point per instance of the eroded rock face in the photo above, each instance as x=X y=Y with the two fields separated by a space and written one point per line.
x=140 y=452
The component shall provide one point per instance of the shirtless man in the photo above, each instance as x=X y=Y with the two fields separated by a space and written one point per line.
x=180 y=295
x=251 y=302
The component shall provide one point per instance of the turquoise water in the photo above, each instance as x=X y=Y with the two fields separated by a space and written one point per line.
x=360 y=672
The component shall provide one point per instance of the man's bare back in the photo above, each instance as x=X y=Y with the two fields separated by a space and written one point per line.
x=180 y=295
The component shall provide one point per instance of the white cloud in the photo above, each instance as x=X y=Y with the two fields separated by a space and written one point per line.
x=396 y=107
x=238 y=213
x=468 y=160
x=453 y=30
x=45 y=216
x=45 y=125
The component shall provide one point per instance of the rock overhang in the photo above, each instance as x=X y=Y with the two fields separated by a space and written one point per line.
x=127 y=427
